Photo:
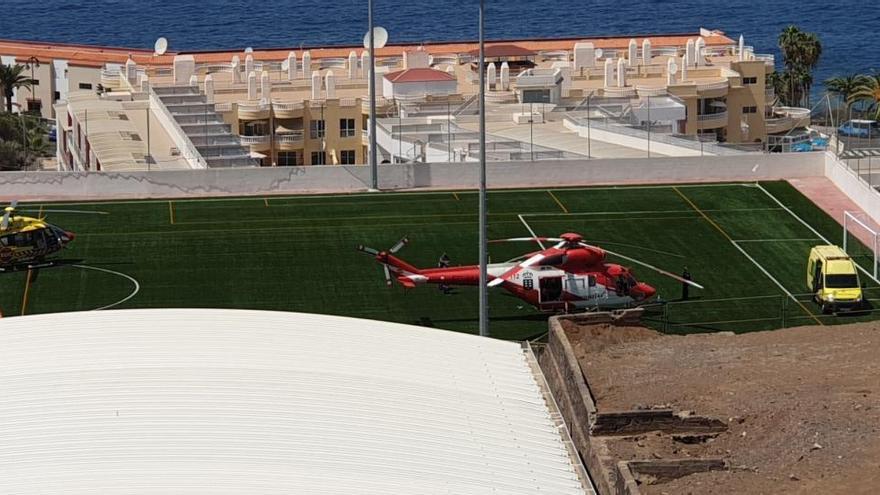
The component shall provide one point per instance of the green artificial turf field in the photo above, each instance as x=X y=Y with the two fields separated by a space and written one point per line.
x=298 y=253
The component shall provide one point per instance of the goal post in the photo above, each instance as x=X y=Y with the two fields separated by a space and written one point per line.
x=861 y=242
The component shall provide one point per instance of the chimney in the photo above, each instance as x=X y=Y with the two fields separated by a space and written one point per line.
x=291 y=66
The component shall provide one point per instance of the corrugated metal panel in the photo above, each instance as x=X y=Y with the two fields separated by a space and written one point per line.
x=219 y=401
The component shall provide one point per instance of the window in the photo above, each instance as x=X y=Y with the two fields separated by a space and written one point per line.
x=748 y=81
x=748 y=110
x=316 y=129
x=35 y=82
x=34 y=106
x=85 y=85
x=346 y=127
x=347 y=157
x=319 y=158
x=254 y=128
x=57 y=95
x=290 y=158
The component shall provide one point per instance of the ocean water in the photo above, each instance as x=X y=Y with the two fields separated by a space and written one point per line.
x=847 y=29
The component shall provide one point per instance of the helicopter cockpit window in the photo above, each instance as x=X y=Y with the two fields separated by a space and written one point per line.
x=591 y=280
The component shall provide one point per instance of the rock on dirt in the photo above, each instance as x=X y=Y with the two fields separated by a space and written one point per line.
x=789 y=398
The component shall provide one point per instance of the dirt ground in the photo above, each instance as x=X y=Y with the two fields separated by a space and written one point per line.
x=802 y=404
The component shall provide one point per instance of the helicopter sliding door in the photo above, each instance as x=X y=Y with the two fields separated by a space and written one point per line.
x=550 y=289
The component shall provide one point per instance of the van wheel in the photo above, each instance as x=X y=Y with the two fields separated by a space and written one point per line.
x=826 y=309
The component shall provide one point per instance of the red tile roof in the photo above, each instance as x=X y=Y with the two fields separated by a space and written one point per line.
x=418 y=75
x=493 y=51
x=90 y=55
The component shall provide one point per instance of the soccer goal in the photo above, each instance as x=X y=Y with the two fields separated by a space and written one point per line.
x=860 y=242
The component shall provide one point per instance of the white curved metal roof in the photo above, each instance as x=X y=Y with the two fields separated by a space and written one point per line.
x=221 y=401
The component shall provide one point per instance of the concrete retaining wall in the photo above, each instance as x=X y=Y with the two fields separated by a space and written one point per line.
x=326 y=179
x=563 y=374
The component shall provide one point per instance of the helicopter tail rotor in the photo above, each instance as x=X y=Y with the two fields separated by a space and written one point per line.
x=383 y=256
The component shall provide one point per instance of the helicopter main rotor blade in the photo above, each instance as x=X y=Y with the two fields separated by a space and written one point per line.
x=652 y=267
x=387 y=275
x=527 y=239
x=84 y=212
x=368 y=250
x=402 y=242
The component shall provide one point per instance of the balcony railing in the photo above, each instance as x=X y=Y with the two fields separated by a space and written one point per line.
x=767 y=58
x=249 y=140
x=294 y=138
x=712 y=117
x=712 y=86
x=287 y=107
x=251 y=107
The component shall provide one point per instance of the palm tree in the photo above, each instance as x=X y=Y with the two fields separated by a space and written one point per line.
x=801 y=52
x=844 y=86
x=868 y=91
x=11 y=78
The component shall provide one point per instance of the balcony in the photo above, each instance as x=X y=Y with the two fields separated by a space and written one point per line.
x=289 y=142
x=257 y=143
x=251 y=111
x=784 y=119
x=713 y=89
x=287 y=110
x=712 y=120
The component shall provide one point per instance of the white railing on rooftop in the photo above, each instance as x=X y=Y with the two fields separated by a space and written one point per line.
x=222 y=107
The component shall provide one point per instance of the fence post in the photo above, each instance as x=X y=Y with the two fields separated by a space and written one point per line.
x=666 y=318
x=784 y=309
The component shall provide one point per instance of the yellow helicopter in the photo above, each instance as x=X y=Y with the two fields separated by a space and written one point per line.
x=25 y=242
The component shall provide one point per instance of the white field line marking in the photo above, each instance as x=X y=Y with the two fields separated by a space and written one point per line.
x=820 y=236
x=137 y=286
x=767 y=273
x=779 y=240
x=642 y=212
x=529 y=227
x=258 y=196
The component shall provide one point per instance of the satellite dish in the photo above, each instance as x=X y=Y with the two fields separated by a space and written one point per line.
x=249 y=50
x=380 y=38
x=599 y=53
x=160 y=47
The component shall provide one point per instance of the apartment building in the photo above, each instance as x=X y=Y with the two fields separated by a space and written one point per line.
x=310 y=106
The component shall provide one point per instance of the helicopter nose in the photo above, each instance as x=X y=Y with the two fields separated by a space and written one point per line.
x=643 y=291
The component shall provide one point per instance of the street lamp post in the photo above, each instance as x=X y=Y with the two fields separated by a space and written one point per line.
x=374 y=168
x=484 y=247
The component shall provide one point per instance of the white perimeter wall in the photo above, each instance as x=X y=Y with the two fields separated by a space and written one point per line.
x=858 y=190
x=326 y=179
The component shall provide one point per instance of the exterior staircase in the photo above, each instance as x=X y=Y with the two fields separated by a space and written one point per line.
x=204 y=127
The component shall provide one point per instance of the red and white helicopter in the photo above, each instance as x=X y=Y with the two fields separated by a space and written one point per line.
x=569 y=276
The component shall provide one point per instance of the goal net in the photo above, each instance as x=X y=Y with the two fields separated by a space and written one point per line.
x=860 y=241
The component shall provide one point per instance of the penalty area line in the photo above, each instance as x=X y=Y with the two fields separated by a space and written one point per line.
x=807 y=225
x=747 y=255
